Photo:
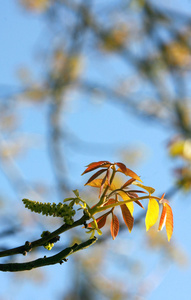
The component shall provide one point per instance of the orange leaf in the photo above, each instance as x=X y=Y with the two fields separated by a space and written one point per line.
x=114 y=226
x=162 y=218
x=152 y=213
x=95 y=175
x=127 y=217
x=166 y=218
x=127 y=172
x=169 y=221
x=96 y=165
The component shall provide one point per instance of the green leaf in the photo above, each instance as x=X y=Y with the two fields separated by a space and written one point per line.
x=76 y=192
x=68 y=199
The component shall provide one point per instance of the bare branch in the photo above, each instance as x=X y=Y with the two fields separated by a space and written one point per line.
x=41 y=262
x=40 y=242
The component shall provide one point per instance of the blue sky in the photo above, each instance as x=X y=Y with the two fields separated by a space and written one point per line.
x=19 y=36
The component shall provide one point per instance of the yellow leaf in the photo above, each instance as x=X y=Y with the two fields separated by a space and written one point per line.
x=125 y=197
x=97 y=183
x=149 y=189
x=130 y=206
x=152 y=213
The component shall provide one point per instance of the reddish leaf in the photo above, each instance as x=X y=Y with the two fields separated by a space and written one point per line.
x=96 y=165
x=127 y=172
x=122 y=167
x=139 y=203
x=100 y=221
x=128 y=182
x=132 y=195
x=95 y=175
x=114 y=226
x=136 y=191
x=110 y=201
x=127 y=217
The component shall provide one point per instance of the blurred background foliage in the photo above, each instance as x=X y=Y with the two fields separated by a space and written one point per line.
x=134 y=55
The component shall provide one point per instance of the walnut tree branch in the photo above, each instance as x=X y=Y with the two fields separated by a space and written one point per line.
x=40 y=242
x=41 y=262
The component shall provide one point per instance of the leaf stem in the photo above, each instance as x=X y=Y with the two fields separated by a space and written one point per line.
x=102 y=208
